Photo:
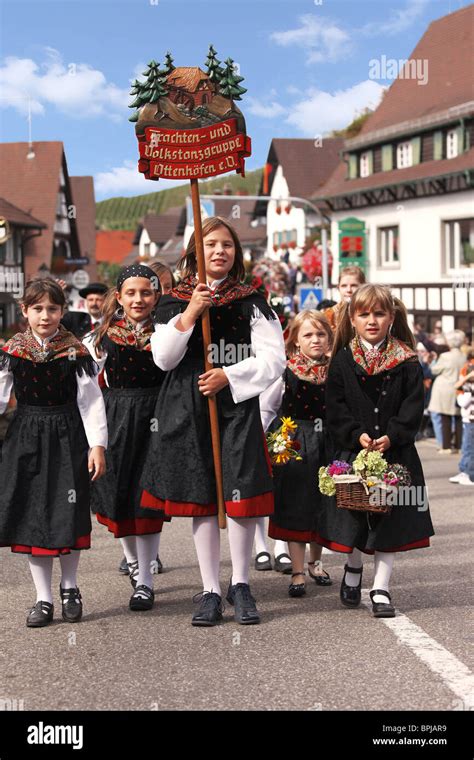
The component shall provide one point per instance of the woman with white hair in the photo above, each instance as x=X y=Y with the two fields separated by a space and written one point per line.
x=446 y=371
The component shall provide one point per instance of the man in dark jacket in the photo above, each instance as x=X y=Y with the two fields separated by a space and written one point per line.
x=80 y=322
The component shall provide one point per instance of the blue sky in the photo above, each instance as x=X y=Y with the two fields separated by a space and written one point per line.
x=305 y=64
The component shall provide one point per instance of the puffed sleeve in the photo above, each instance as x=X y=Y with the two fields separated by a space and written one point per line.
x=254 y=375
x=270 y=402
x=6 y=384
x=345 y=430
x=88 y=341
x=168 y=344
x=92 y=410
x=403 y=428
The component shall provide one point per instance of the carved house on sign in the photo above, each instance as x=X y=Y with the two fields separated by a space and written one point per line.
x=190 y=86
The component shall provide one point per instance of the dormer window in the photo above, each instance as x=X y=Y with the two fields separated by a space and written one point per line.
x=452 y=143
x=404 y=155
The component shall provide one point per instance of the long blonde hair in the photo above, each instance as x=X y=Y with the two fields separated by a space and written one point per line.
x=316 y=318
x=366 y=297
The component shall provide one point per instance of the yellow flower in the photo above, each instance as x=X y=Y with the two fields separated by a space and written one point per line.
x=288 y=425
x=282 y=458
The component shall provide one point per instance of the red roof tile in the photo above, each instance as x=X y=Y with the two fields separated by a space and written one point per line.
x=16 y=216
x=113 y=246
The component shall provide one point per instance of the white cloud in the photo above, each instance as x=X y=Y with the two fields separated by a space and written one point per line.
x=127 y=179
x=265 y=110
x=324 y=40
x=398 y=21
x=75 y=89
x=320 y=112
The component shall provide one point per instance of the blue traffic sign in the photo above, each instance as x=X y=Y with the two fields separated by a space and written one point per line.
x=310 y=297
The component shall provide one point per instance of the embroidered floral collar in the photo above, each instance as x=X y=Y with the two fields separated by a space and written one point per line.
x=125 y=333
x=311 y=370
x=62 y=344
x=227 y=291
x=390 y=354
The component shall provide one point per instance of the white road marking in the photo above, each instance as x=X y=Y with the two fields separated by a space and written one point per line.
x=454 y=674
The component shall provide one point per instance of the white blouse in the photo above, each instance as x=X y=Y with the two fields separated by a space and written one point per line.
x=247 y=378
x=89 y=401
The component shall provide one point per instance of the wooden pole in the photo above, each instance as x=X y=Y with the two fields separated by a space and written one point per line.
x=206 y=334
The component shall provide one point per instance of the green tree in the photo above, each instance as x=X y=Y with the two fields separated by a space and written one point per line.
x=214 y=69
x=149 y=91
x=169 y=65
x=229 y=83
x=136 y=90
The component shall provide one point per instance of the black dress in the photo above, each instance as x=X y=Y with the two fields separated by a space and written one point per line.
x=134 y=382
x=297 y=496
x=44 y=478
x=179 y=471
x=389 y=403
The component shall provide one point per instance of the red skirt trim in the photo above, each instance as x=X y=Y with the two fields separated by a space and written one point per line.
x=256 y=506
x=423 y=543
x=84 y=542
x=284 y=534
x=138 y=526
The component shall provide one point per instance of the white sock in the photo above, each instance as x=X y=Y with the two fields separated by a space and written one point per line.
x=207 y=540
x=69 y=565
x=146 y=553
x=241 y=534
x=158 y=536
x=354 y=560
x=383 y=569
x=129 y=546
x=281 y=547
x=41 y=569
x=260 y=537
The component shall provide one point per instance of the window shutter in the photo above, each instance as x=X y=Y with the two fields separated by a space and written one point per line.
x=438 y=146
x=460 y=134
x=415 y=150
x=352 y=166
x=387 y=158
x=370 y=161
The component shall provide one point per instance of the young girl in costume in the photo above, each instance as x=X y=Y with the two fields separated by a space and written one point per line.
x=248 y=355
x=53 y=448
x=300 y=395
x=350 y=278
x=375 y=400
x=122 y=347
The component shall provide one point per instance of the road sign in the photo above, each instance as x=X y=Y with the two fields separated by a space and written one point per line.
x=310 y=297
x=80 y=278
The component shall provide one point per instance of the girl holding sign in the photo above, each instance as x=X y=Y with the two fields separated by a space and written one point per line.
x=248 y=354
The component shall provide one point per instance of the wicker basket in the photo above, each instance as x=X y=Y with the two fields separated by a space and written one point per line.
x=351 y=494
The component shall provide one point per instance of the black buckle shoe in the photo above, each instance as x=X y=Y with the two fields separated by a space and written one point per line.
x=133 y=572
x=123 y=567
x=320 y=580
x=71 y=604
x=296 y=589
x=283 y=567
x=210 y=608
x=245 y=610
x=266 y=564
x=350 y=595
x=40 y=615
x=142 y=598
x=382 y=609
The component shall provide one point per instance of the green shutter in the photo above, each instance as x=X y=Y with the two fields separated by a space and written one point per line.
x=438 y=146
x=352 y=166
x=467 y=140
x=460 y=134
x=416 y=150
x=387 y=158
x=370 y=157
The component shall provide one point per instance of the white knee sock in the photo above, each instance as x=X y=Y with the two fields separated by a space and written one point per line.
x=354 y=560
x=146 y=553
x=41 y=569
x=129 y=546
x=383 y=569
x=260 y=536
x=241 y=534
x=158 y=537
x=207 y=540
x=69 y=565
x=281 y=547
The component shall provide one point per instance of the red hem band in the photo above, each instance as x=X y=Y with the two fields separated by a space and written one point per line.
x=423 y=543
x=285 y=534
x=255 y=506
x=138 y=526
x=84 y=542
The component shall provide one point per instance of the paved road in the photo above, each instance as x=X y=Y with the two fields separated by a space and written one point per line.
x=307 y=654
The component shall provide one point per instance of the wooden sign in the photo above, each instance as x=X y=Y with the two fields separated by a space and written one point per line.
x=187 y=123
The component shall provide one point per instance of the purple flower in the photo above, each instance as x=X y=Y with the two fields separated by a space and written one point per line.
x=339 y=468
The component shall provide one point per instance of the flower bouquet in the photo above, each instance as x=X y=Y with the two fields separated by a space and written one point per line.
x=360 y=485
x=281 y=444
